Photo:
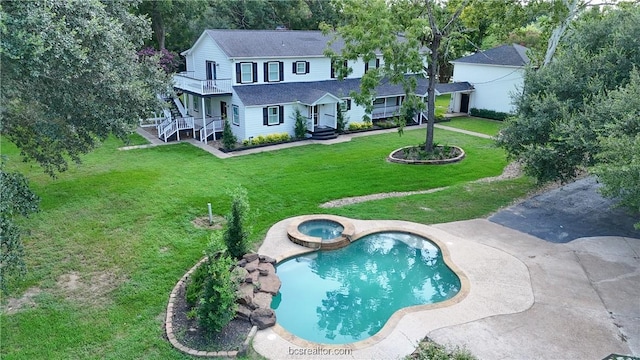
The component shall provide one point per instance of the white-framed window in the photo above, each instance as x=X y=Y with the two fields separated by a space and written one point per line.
x=246 y=72
x=208 y=105
x=196 y=104
x=379 y=103
x=301 y=67
x=274 y=71
x=274 y=115
x=372 y=64
x=235 y=115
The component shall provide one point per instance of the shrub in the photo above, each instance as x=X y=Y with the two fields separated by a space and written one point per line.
x=300 y=129
x=341 y=122
x=195 y=285
x=489 y=114
x=355 y=126
x=267 y=139
x=429 y=350
x=386 y=124
x=217 y=306
x=228 y=139
x=236 y=233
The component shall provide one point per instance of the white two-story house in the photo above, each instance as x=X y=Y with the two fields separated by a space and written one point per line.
x=257 y=78
x=495 y=76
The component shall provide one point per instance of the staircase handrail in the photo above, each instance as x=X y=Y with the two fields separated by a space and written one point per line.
x=180 y=107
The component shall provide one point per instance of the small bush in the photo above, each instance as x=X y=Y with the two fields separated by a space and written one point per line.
x=267 y=139
x=217 y=306
x=489 y=114
x=355 y=126
x=429 y=350
x=195 y=285
x=386 y=124
x=300 y=129
x=236 y=233
x=341 y=121
x=229 y=140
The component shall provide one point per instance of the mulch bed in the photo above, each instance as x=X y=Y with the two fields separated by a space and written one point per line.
x=192 y=336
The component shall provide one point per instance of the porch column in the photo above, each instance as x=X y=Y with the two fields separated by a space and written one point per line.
x=204 y=122
x=335 y=115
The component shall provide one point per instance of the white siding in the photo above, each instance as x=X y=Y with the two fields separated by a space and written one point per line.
x=208 y=50
x=255 y=126
x=494 y=85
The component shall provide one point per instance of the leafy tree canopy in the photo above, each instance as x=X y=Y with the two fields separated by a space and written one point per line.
x=71 y=76
x=582 y=107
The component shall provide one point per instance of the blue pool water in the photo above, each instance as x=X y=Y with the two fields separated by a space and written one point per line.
x=324 y=229
x=347 y=295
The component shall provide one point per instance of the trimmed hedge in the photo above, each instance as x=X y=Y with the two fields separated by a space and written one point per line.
x=489 y=114
x=267 y=139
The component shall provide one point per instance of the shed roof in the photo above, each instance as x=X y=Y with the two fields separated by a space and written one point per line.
x=506 y=55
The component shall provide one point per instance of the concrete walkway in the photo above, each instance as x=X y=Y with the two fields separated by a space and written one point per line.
x=154 y=141
x=528 y=298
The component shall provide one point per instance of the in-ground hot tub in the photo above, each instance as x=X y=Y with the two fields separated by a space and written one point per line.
x=321 y=231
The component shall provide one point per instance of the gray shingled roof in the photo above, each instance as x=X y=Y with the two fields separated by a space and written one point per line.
x=309 y=92
x=508 y=55
x=453 y=87
x=272 y=43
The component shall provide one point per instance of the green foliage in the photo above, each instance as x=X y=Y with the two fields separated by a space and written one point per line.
x=70 y=77
x=341 y=121
x=489 y=114
x=229 y=140
x=267 y=139
x=429 y=350
x=16 y=199
x=550 y=133
x=195 y=285
x=236 y=233
x=300 y=128
x=386 y=124
x=168 y=20
x=217 y=305
x=356 y=126
x=575 y=112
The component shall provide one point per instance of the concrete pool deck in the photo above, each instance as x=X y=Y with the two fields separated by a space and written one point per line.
x=528 y=298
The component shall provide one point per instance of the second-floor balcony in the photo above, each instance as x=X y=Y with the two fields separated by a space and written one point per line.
x=190 y=84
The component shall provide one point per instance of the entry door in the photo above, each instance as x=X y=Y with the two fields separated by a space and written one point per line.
x=211 y=70
x=464 y=103
x=223 y=109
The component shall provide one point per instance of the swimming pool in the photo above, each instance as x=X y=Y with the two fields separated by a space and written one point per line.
x=347 y=295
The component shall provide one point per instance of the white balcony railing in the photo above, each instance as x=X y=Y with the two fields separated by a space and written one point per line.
x=385 y=112
x=203 y=87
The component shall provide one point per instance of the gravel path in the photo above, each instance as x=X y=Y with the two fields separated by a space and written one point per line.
x=511 y=171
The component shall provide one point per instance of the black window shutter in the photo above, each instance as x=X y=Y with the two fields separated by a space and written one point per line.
x=345 y=65
x=266 y=72
x=265 y=116
x=348 y=104
x=377 y=63
x=255 y=72
x=366 y=67
x=238 y=75
x=307 y=67
x=281 y=114
x=293 y=68
x=333 y=70
x=281 y=71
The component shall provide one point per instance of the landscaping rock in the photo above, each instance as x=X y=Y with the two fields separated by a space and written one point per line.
x=263 y=318
x=252 y=266
x=240 y=273
x=244 y=312
x=245 y=294
x=242 y=262
x=250 y=257
x=267 y=259
x=270 y=284
x=266 y=269
x=252 y=277
x=262 y=300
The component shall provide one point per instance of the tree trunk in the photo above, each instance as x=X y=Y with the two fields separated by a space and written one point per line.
x=432 y=71
x=157 y=24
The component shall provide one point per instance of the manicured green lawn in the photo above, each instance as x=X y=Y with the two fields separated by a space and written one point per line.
x=115 y=234
x=483 y=126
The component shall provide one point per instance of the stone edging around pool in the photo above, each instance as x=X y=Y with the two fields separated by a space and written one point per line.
x=169 y=324
x=391 y=158
x=347 y=236
x=395 y=318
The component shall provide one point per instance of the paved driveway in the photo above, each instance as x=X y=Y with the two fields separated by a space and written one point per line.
x=570 y=212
